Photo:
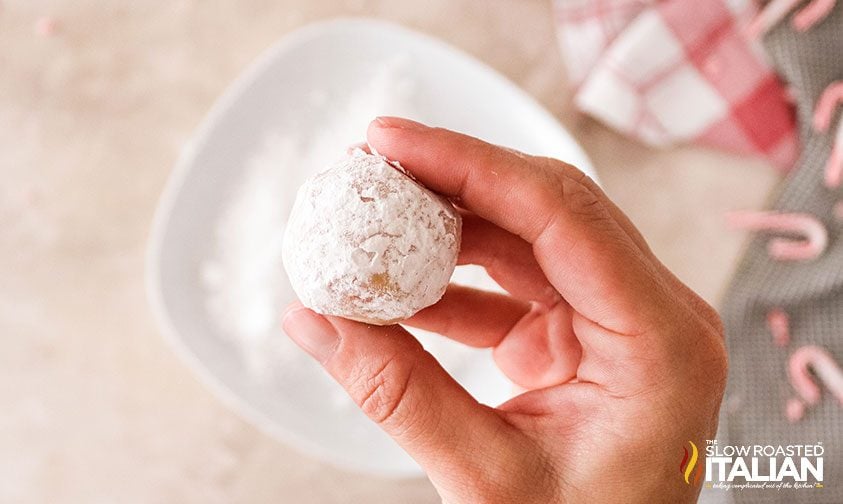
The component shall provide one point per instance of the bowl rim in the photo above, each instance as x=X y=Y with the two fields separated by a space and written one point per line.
x=183 y=165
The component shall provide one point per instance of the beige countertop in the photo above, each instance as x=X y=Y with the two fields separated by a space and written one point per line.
x=96 y=408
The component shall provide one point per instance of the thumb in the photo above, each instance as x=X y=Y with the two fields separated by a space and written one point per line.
x=410 y=396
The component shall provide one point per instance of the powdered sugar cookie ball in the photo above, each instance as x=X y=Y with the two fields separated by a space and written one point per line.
x=366 y=242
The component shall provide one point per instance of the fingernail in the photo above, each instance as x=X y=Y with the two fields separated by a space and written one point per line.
x=311 y=331
x=399 y=123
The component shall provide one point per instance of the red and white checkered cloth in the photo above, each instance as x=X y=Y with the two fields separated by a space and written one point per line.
x=675 y=71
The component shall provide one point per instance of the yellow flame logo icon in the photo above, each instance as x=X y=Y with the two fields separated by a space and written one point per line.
x=689 y=463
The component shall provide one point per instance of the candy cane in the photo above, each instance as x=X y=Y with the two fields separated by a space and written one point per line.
x=779 y=325
x=794 y=410
x=812 y=14
x=776 y=10
x=834 y=167
x=828 y=102
x=829 y=99
x=824 y=366
x=770 y=16
x=813 y=243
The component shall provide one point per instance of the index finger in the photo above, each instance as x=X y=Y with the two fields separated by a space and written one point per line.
x=578 y=243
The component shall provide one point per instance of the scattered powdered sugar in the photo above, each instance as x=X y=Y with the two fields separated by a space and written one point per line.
x=242 y=279
x=246 y=285
x=367 y=242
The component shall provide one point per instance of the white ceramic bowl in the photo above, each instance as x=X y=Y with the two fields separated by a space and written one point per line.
x=451 y=90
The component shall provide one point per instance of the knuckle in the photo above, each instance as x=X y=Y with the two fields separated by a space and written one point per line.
x=572 y=192
x=583 y=202
x=718 y=361
x=380 y=390
x=563 y=190
x=712 y=360
x=716 y=322
x=722 y=367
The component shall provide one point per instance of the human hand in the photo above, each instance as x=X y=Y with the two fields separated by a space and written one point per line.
x=622 y=364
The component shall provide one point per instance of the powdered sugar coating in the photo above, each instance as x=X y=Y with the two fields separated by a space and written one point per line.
x=365 y=241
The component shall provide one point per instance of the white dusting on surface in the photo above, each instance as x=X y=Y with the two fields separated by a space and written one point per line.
x=242 y=279
x=365 y=241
